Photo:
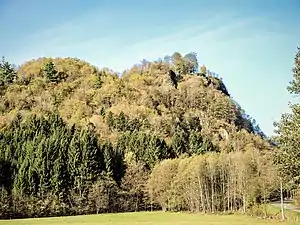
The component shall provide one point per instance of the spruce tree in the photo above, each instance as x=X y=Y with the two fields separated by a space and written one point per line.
x=195 y=142
x=51 y=74
x=7 y=73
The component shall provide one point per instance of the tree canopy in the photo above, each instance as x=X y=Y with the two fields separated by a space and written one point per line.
x=288 y=132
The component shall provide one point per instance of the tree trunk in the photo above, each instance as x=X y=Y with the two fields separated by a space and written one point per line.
x=244 y=202
x=207 y=196
x=136 y=202
x=223 y=192
x=265 y=206
x=212 y=194
x=151 y=206
x=281 y=196
x=228 y=198
x=201 y=195
x=234 y=196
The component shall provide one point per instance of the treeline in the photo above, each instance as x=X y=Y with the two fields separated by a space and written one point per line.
x=49 y=168
x=214 y=182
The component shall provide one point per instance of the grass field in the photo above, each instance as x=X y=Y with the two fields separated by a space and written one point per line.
x=149 y=218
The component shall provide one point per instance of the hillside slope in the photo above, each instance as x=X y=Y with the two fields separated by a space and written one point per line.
x=166 y=98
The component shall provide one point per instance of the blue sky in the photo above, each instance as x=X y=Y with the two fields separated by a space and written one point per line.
x=250 y=44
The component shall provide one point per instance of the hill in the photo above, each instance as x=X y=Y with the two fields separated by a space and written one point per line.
x=156 y=94
x=69 y=128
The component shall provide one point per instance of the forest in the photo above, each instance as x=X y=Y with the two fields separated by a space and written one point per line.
x=163 y=135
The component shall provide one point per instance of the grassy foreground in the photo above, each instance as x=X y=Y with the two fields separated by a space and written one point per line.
x=148 y=218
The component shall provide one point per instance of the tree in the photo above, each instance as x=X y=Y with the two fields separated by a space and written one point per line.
x=178 y=143
x=52 y=74
x=7 y=73
x=50 y=71
x=288 y=157
x=98 y=80
x=110 y=120
x=294 y=85
x=173 y=78
x=179 y=65
x=5 y=175
x=160 y=181
x=134 y=182
x=288 y=136
x=102 y=194
x=203 y=70
x=288 y=130
x=195 y=143
x=121 y=122
x=191 y=62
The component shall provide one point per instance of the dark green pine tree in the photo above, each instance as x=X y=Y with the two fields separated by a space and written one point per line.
x=195 y=143
x=20 y=186
x=138 y=145
x=5 y=174
x=110 y=120
x=90 y=161
x=135 y=142
x=114 y=161
x=55 y=165
x=51 y=74
x=74 y=161
x=64 y=175
x=178 y=143
x=7 y=73
x=123 y=140
x=42 y=168
x=94 y=155
x=121 y=122
x=82 y=166
x=107 y=149
x=31 y=172
x=157 y=150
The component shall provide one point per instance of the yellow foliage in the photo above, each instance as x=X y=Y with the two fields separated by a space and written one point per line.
x=143 y=92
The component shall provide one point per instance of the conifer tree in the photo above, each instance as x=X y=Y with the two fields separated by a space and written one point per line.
x=195 y=142
x=51 y=74
x=7 y=73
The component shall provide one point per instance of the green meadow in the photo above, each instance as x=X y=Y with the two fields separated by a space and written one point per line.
x=152 y=218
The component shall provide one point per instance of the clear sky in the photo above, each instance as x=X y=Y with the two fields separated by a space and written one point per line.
x=249 y=43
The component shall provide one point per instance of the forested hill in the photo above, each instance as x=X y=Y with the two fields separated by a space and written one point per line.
x=69 y=131
x=167 y=98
